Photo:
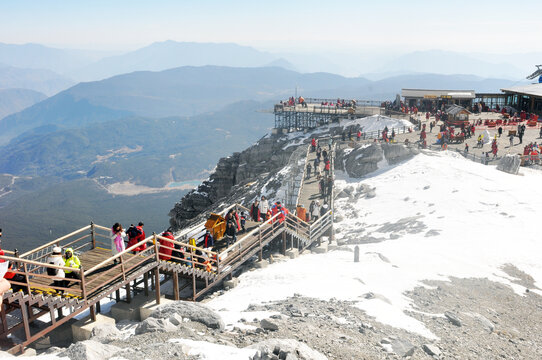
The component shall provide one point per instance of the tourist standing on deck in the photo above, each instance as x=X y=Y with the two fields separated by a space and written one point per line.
x=166 y=246
x=255 y=210
x=56 y=259
x=264 y=208
x=72 y=261
x=231 y=233
x=136 y=234
x=117 y=239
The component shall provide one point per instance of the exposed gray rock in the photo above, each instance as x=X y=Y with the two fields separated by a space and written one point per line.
x=286 y=349
x=486 y=324
x=403 y=348
x=90 y=350
x=361 y=161
x=432 y=232
x=190 y=310
x=154 y=325
x=431 y=350
x=258 y=162
x=396 y=153
x=105 y=333
x=268 y=324
x=510 y=164
x=453 y=318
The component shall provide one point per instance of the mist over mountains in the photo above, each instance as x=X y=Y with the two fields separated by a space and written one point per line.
x=15 y=100
x=160 y=115
x=88 y=65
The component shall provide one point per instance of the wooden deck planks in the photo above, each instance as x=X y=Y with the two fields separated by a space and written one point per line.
x=88 y=260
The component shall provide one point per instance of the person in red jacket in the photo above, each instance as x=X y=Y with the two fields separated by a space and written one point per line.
x=166 y=247
x=4 y=267
x=136 y=234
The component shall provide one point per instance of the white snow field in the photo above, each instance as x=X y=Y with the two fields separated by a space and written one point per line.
x=482 y=218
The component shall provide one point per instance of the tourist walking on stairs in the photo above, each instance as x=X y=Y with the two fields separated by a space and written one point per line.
x=315 y=212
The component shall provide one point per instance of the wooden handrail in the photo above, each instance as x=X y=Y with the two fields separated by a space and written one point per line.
x=37 y=263
x=131 y=248
x=185 y=245
x=54 y=242
x=237 y=243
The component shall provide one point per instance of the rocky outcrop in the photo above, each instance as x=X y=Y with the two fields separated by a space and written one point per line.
x=510 y=164
x=192 y=311
x=90 y=350
x=285 y=349
x=257 y=163
x=365 y=159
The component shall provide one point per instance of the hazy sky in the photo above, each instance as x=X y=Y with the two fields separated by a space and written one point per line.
x=278 y=25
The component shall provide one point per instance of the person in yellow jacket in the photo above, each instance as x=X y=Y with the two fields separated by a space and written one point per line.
x=71 y=261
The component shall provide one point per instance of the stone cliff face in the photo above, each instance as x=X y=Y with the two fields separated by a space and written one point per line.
x=363 y=160
x=237 y=178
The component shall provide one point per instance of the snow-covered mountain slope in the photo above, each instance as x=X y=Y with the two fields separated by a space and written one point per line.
x=433 y=217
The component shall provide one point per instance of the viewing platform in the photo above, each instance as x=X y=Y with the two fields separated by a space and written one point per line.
x=314 y=112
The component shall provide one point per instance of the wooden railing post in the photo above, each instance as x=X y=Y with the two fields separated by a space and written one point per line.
x=27 y=277
x=156 y=270
x=260 y=242
x=122 y=268
x=93 y=235
x=83 y=285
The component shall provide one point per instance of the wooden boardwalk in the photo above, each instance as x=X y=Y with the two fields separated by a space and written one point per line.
x=100 y=277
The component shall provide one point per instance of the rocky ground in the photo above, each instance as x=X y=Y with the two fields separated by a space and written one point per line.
x=471 y=319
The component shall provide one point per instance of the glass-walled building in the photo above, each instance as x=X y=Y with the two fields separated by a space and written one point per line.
x=427 y=99
x=525 y=97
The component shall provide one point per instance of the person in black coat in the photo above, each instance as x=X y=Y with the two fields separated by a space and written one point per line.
x=231 y=233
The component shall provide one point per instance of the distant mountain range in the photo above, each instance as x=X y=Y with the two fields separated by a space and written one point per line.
x=44 y=81
x=170 y=54
x=15 y=100
x=188 y=91
x=447 y=62
x=84 y=65
x=184 y=91
x=145 y=151
x=36 y=56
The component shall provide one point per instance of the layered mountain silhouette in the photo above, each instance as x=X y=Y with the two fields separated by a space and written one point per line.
x=44 y=81
x=15 y=100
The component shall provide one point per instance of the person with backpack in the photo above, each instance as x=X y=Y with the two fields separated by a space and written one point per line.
x=136 y=235
x=56 y=259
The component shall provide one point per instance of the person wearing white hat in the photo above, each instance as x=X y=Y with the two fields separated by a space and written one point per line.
x=56 y=259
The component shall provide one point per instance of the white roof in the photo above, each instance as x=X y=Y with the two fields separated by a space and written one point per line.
x=434 y=94
x=531 y=89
